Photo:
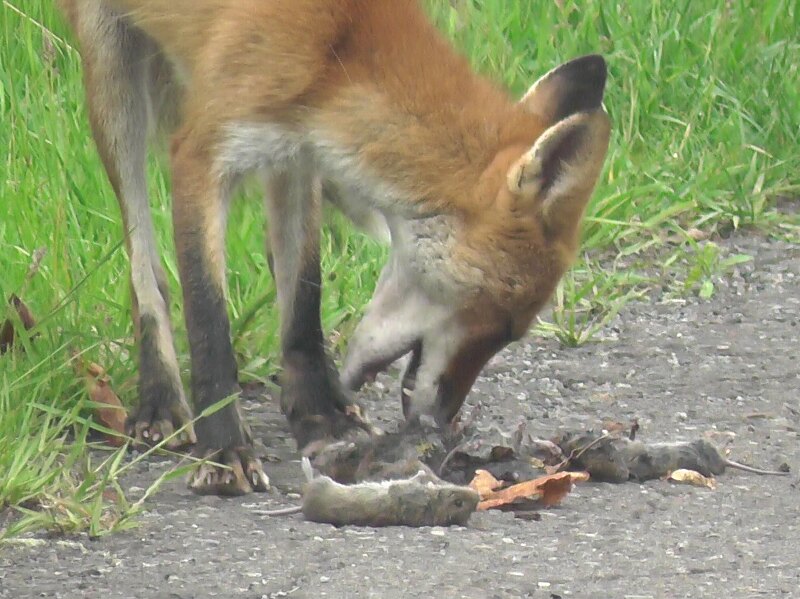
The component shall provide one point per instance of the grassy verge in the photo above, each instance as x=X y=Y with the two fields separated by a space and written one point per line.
x=704 y=96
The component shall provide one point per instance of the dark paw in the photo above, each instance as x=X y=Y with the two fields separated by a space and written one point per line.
x=154 y=421
x=162 y=406
x=318 y=430
x=317 y=406
x=235 y=471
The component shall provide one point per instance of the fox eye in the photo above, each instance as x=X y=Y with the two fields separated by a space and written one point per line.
x=459 y=503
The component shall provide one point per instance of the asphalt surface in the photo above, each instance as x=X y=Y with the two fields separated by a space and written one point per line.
x=684 y=368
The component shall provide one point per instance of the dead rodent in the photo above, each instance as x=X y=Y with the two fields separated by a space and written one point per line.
x=418 y=501
x=659 y=459
x=349 y=462
x=614 y=459
x=389 y=456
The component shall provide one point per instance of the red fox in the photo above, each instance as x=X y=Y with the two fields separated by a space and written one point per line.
x=365 y=102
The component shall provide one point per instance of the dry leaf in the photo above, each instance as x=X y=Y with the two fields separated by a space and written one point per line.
x=545 y=491
x=484 y=483
x=7 y=330
x=612 y=426
x=691 y=477
x=579 y=477
x=114 y=415
x=6 y=336
x=537 y=463
x=110 y=494
x=692 y=233
x=49 y=52
x=696 y=234
x=100 y=392
x=36 y=261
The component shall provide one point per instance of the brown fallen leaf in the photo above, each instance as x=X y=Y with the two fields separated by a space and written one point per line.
x=696 y=234
x=692 y=477
x=612 y=426
x=544 y=491
x=692 y=233
x=7 y=330
x=100 y=392
x=110 y=494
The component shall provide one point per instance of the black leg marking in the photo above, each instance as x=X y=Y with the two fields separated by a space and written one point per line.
x=214 y=371
x=223 y=436
x=162 y=406
x=304 y=333
x=312 y=398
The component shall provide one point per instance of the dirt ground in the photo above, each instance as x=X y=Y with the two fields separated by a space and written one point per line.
x=682 y=367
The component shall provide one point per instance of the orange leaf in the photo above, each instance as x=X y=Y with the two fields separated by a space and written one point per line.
x=546 y=490
x=100 y=392
x=484 y=483
x=579 y=477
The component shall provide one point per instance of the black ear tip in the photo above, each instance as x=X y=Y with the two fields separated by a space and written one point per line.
x=591 y=67
x=595 y=61
x=584 y=82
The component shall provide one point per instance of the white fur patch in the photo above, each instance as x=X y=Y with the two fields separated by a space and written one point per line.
x=251 y=146
x=357 y=181
x=362 y=197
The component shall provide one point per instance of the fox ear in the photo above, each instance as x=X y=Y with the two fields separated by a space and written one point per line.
x=561 y=169
x=575 y=86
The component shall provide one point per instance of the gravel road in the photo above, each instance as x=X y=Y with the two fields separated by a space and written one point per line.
x=682 y=367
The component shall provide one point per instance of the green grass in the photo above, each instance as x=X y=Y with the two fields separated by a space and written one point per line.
x=705 y=100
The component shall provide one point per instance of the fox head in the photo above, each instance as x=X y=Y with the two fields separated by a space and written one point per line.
x=459 y=286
